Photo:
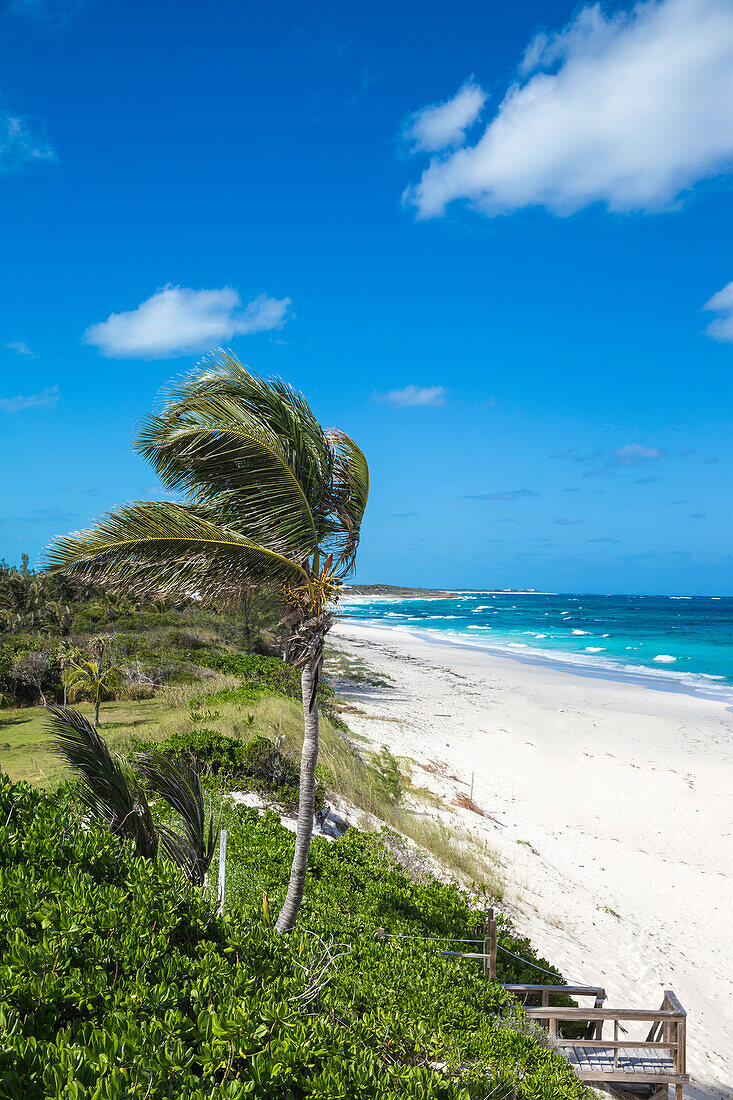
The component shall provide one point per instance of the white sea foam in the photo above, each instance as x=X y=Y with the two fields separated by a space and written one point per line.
x=583 y=661
x=594 y=649
x=581 y=632
x=665 y=658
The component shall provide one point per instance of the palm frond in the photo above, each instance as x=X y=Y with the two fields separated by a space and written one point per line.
x=180 y=785
x=225 y=458
x=107 y=786
x=276 y=408
x=90 y=675
x=169 y=549
x=350 y=494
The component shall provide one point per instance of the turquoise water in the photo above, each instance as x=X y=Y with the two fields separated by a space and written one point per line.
x=682 y=642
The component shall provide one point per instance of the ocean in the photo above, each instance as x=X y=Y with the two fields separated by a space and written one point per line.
x=675 y=642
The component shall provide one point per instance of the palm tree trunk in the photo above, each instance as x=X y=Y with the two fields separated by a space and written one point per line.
x=306 y=805
x=96 y=712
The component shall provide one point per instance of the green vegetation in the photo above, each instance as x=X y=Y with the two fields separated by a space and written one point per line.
x=165 y=1022
x=118 y=980
x=257 y=765
x=270 y=499
x=93 y=680
x=114 y=794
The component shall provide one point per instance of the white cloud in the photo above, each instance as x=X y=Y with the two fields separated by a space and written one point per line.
x=178 y=321
x=722 y=304
x=47 y=397
x=629 y=109
x=635 y=454
x=19 y=144
x=444 y=124
x=21 y=348
x=509 y=494
x=415 y=395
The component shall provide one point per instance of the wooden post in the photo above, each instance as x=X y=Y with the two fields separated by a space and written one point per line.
x=490 y=946
x=222 y=867
x=681 y=1052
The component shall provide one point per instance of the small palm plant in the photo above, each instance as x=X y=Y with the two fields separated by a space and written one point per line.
x=270 y=498
x=93 y=680
x=108 y=786
x=114 y=793
x=67 y=655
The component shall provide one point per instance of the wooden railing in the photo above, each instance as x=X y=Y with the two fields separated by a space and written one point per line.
x=660 y=1059
x=544 y=992
x=657 y=1061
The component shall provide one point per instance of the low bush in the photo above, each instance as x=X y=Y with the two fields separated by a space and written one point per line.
x=29 y=670
x=117 y=980
x=257 y=764
x=259 y=674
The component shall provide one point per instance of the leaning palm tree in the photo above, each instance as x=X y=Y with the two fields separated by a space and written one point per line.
x=92 y=679
x=270 y=498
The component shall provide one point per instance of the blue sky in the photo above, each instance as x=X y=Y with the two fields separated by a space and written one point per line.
x=480 y=237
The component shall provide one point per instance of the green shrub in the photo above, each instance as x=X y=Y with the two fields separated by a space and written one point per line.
x=259 y=675
x=118 y=981
x=257 y=765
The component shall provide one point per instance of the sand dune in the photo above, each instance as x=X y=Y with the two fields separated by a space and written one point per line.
x=613 y=812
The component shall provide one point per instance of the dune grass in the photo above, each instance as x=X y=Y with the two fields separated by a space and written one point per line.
x=347 y=771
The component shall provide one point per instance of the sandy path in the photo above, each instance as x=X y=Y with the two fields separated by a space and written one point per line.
x=614 y=814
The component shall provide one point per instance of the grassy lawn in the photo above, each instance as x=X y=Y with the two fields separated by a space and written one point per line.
x=23 y=736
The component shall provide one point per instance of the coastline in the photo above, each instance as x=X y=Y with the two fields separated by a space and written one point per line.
x=610 y=806
x=603 y=668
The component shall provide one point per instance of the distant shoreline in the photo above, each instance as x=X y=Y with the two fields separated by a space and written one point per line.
x=663 y=680
x=379 y=592
x=671 y=643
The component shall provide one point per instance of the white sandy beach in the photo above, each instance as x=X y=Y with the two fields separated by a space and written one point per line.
x=613 y=811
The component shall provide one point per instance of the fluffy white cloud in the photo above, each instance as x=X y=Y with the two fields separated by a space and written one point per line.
x=179 y=321
x=46 y=397
x=445 y=124
x=415 y=395
x=629 y=109
x=19 y=144
x=722 y=304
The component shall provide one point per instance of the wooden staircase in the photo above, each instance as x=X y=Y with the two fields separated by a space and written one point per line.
x=656 y=1062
